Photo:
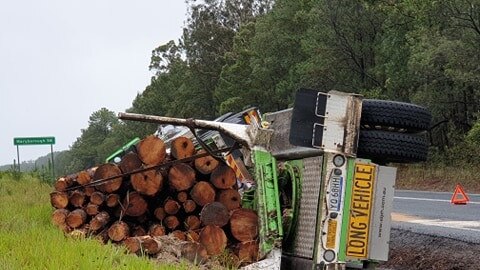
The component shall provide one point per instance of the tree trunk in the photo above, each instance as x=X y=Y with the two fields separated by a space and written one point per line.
x=181 y=177
x=148 y=182
x=179 y=235
x=182 y=196
x=135 y=204
x=205 y=165
x=63 y=183
x=214 y=214
x=223 y=177
x=192 y=223
x=77 y=198
x=112 y=200
x=182 y=147
x=59 y=199
x=203 y=193
x=189 y=206
x=247 y=252
x=105 y=171
x=118 y=231
x=214 y=239
x=76 y=218
x=159 y=213
x=171 y=222
x=151 y=150
x=99 y=221
x=171 y=207
x=91 y=209
x=194 y=252
x=59 y=217
x=130 y=162
x=151 y=245
x=156 y=230
x=83 y=178
x=133 y=244
x=97 y=198
x=230 y=198
x=244 y=224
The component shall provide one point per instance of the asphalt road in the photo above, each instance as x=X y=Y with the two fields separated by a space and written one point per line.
x=432 y=213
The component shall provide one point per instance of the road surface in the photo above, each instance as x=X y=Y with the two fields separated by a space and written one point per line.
x=432 y=213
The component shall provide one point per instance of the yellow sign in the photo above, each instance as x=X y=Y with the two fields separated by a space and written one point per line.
x=331 y=234
x=360 y=208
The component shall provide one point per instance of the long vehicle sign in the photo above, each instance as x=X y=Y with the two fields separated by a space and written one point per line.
x=360 y=209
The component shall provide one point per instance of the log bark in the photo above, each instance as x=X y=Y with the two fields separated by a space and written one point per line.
x=63 y=183
x=118 y=231
x=171 y=222
x=151 y=245
x=215 y=214
x=230 y=198
x=171 y=206
x=151 y=150
x=105 y=171
x=244 y=224
x=97 y=198
x=181 y=177
x=130 y=162
x=112 y=200
x=182 y=196
x=179 y=235
x=182 y=147
x=203 y=193
x=192 y=223
x=135 y=204
x=77 y=198
x=99 y=221
x=156 y=230
x=91 y=209
x=76 y=218
x=206 y=165
x=223 y=177
x=159 y=213
x=247 y=252
x=189 y=206
x=214 y=239
x=84 y=178
x=194 y=252
x=59 y=217
x=148 y=182
x=59 y=199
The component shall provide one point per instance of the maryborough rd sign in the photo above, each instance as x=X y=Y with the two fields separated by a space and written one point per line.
x=34 y=140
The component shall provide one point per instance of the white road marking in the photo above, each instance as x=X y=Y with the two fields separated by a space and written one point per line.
x=466 y=225
x=431 y=200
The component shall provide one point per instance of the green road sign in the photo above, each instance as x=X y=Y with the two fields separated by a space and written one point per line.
x=33 y=140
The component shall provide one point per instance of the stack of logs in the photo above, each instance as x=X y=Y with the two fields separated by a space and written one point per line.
x=196 y=202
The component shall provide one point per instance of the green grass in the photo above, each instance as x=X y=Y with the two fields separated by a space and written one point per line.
x=28 y=240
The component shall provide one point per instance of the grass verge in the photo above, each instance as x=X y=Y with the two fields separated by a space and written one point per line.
x=30 y=241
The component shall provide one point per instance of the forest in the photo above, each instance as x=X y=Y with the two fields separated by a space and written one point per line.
x=239 y=53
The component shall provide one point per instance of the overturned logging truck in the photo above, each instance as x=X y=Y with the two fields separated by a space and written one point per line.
x=302 y=188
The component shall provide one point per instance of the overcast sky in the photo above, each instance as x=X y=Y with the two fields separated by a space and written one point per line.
x=62 y=60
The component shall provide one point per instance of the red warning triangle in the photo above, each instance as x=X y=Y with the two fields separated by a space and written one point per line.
x=459 y=196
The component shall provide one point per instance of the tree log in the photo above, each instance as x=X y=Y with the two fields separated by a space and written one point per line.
x=182 y=196
x=97 y=198
x=83 y=178
x=63 y=183
x=59 y=217
x=156 y=230
x=171 y=222
x=133 y=244
x=181 y=177
x=148 y=182
x=89 y=191
x=77 y=198
x=130 y=162
x=151 y=245
x=214 y=239
x=179 y=235
x=105 y=171
x=76 y=218
x=182 y=147
x=223 y=177
x=192 y=236
x=59 y=199
x=159 y=213
x=171 y=206
x=135 y=204
x=203 y=193
x=189 y=206
x=99 y=221
x=247 y=252
x=244 y=224
x=112 y=200
x=151 y=150
x=118 y=231
x=230 y=198
x=91 y=209
x=192 y=223
x=215 y=214
x=138 y=230
x=206 y=165
x=194 y=252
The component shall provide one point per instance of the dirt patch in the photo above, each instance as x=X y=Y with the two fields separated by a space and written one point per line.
x=417 y=251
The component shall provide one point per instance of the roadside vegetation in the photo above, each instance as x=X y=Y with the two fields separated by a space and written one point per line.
x=29 y=241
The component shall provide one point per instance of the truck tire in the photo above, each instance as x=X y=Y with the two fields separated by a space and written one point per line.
x=394 y=114
x=386 y=146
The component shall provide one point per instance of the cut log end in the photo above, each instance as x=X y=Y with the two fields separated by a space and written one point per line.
x=171 y=207
x=59 y=199
x=151 y=150
x=223 y=177
x=215 y=214
x=206 y=165
x=83 y=178
x=118 y=231
x=112 y=200
x=230 y=198
x=181 y=177
x=171 y=222
x=244 y=224
x=130 y=162
x=76 y=218
x=214 y=239
x=182 y=147
x=149 y=182
x=106 y=171
x=135 y=204
x=59 y=217
x=194 y=252
x=156 y=230
x=203 y=193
